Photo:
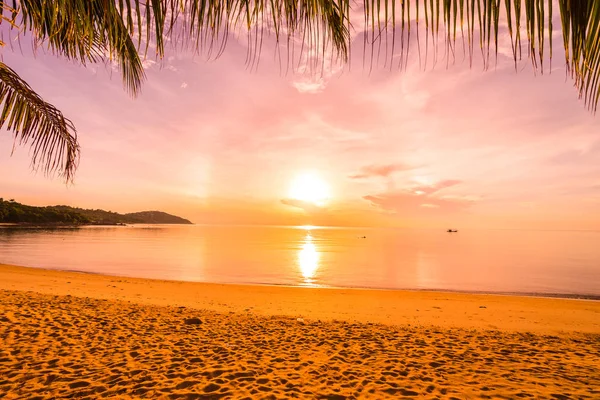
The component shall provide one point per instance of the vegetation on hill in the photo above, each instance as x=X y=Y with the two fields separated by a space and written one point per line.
x=13 y=212
x=156 y=217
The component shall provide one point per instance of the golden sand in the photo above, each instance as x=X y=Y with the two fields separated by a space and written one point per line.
x=80 y=335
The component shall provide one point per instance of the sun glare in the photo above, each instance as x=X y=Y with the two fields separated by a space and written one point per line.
x=310 y=188
x=308 y=259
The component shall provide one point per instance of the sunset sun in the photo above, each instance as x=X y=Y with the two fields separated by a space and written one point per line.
x=311 y=188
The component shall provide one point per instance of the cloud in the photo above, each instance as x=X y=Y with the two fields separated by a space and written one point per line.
x=382 y=170
x=315 y=66
x=147 y=64
x=310 y=86
x=184 y=85
x=398 y=202
x=585 y=154
x=422 y=198
x=304 y=205
x=430 y=189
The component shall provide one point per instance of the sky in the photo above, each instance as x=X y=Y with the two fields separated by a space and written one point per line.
x=219 y=143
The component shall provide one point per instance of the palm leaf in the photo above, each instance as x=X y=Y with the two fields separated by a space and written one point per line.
x=92 y=30
x=580 y=26
x=52 y=137
x=85 y=30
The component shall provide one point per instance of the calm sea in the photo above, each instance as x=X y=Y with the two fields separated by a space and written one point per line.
x=558 y=262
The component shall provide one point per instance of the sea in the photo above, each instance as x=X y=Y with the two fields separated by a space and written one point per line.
x=549 y=263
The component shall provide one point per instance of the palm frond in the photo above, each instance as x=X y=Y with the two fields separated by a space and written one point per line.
x=52 y=137
x=206 y=25
x=481 y=21
x=581 y=35
x=85 y=30
x=122 y=30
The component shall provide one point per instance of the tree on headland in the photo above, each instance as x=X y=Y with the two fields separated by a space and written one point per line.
x=17 y=213
x=121 y=31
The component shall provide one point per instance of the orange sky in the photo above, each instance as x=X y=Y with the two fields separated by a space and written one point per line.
x=216 y=143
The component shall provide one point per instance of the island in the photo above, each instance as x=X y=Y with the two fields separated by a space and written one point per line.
x=12 y=212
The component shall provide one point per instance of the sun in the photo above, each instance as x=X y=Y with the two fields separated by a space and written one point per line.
x=311 y=188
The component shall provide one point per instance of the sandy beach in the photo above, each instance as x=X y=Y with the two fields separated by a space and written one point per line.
x=73 y=335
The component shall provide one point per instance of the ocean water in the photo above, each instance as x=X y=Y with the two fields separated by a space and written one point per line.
x=507 y=261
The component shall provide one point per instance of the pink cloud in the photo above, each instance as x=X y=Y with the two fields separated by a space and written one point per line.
x=430 y=189
x=399 y=202
x=382 y=170
x=422 y=198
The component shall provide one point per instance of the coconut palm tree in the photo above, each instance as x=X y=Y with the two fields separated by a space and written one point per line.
x=121 y=32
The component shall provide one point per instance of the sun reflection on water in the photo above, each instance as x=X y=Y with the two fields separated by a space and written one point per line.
x=308 y=259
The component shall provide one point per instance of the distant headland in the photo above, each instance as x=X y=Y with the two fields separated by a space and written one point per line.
x=12 y=212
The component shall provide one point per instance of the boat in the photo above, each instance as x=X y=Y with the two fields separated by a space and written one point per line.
x=452 y=230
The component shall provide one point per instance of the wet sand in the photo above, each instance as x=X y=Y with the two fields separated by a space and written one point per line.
x=65 y=334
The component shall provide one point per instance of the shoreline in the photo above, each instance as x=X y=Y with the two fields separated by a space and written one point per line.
x=541 y=295
x=392 y=307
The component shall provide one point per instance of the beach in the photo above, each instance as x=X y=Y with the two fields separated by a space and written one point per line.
x=69 y=334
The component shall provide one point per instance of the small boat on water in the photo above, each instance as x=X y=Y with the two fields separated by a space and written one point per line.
x=452 y=230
